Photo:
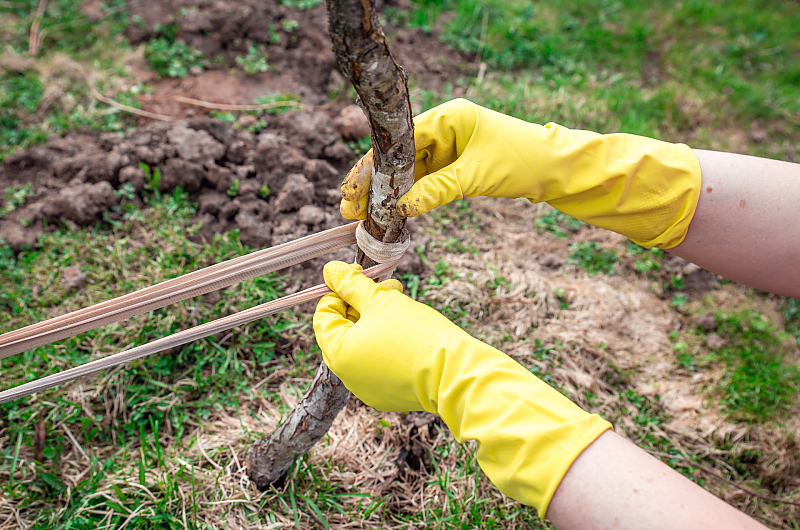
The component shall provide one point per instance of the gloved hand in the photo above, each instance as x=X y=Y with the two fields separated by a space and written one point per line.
x=642 y=188
x=399 y=355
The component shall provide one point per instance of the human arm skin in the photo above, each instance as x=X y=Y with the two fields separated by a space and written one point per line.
x=615 y=484
x=747 y=224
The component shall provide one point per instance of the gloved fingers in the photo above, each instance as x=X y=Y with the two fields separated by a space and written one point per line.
x=355 y=288
x=356 y=184
x=331 y=323
x=431 y=191
x=355 y=210
x=353 y=315
x=391 y=283
x=441 y=135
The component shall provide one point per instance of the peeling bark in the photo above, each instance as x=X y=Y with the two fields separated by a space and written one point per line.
x=271 y=457
x=382 y=87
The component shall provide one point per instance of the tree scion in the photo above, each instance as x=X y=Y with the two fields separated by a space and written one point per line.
x=382 y=87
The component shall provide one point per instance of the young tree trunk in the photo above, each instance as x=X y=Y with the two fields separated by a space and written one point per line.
x=382 y=87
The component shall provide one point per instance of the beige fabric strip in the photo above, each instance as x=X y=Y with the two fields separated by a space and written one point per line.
x=180 y=338
x=379 y=251
x=184 y=287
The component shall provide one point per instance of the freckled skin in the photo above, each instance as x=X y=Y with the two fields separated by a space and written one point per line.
x=740 y=231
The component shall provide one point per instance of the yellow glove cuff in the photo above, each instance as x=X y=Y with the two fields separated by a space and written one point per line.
x=642 y=188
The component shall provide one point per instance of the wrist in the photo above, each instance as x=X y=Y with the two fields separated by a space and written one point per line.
x=528 y=433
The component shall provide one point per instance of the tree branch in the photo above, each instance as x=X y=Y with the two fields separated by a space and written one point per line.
x=382 y=87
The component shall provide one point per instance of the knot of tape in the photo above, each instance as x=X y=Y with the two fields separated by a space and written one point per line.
x=379 y=251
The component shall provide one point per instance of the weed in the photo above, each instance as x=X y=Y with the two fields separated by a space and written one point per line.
x=685 y=357
x=15 y=197
x=647 y=260
x=289 y=24
x=411 y=284
x=233 y=188
x=563 y=299
x=557 y=223
x=254 y=62
x=267 y=99
x=644 y=410
x=227 y=117
x=263 y=192
x=791 y=316
x=592 y=258
x=152 y=177
x=300 y=4
x=679 y=301
x=170 y=58
x=360 y=146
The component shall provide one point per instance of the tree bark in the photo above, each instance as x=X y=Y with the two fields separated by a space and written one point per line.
x=382 y=87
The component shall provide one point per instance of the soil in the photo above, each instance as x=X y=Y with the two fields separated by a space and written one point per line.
x=301 y=60
x=298 y=156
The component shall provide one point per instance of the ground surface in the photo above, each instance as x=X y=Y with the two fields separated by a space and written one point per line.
x=100 y=201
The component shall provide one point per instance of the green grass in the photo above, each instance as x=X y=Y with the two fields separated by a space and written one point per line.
x=761 y=381
x=170 y=58
x=198 y=380
x=660 y=69
x=254 y=62
x=557 y=223
x=592 y=258
x=48 y=95
x=65 y=27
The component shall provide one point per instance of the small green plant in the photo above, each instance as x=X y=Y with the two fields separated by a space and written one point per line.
x=15 y=197
x=592 y=258
x=20 y=96
x=647 y=260
x=557 y=223
x=228 y=117
x=127 y=191
x=679 y=301
x=233 y=188
x=685 y=357
x=292 y=102
x=791 y=316
x=289 y=24
x=361 y=146
x=152 y=177
x=300 y=4
x=563 y=300
x=411 y=282
x=263 y=192
x=274 y=36
x=170 y=58
x=646 y=410
x=254 y=62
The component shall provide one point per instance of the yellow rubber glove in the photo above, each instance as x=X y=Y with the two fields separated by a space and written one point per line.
x=639 y=187
x=400 y=355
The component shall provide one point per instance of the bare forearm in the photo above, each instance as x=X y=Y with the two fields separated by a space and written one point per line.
x=747 y=224
x=614 y=484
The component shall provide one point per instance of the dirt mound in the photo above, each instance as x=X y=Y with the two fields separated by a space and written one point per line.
x=272 y=187
x=296 y=44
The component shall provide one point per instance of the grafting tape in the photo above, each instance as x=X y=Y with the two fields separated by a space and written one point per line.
x=379 y=251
